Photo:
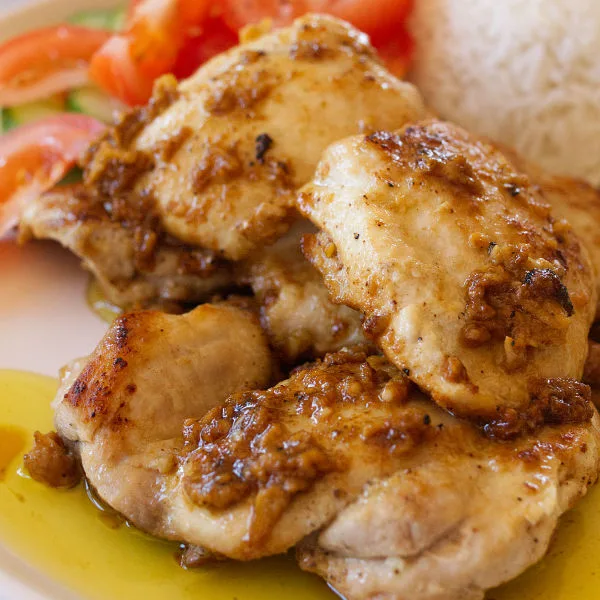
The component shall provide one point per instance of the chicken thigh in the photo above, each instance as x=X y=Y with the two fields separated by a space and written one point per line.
x=122 y=409
x=222 y=153
x=134 y=263
x=466 y=278
x=388 y=495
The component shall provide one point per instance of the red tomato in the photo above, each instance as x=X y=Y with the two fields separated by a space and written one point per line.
x=192 y=11
x=115 y=71
x=238 y=13
x=215 y=38
x=127 y=65
x=195 y=12
x=46 y=61
x=36 y=156
x=374 y=17
x=371 y=17
x=396 y=51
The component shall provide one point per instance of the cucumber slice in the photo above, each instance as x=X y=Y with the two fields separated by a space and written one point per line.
x=6 y=121
x=32 y=111
x=112 y=19
x=75 y=175
x=93 y=102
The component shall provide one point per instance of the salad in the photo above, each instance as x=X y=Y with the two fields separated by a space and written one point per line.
x=60 y=85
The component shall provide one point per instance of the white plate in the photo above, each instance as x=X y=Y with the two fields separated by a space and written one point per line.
x=44 y=319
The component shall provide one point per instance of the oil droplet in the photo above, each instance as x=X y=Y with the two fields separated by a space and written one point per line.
x=12 y=442
x=99 y=303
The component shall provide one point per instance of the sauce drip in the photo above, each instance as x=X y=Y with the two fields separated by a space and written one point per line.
x=62 y=534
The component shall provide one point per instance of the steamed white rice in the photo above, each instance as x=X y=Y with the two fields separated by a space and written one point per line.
x=524 y=72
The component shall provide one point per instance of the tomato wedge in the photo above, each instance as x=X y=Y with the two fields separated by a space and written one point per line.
x=238 y=13
x=215 y=38
x=383 y=20
x=114 y=70
x=127 y=65
x=371 y=17
x=396 y=52
x=36 y=156
x=47 y=61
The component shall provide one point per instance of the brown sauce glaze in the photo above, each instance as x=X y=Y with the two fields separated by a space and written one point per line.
x=50 y=462
x=553 y=402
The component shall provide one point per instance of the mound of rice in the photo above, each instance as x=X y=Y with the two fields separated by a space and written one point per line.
x=524 y=72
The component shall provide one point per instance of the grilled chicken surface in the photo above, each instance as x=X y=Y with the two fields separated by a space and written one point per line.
x=223 y=152
x=573 y=200
x=465 y=276
x=123 y=408
x=209 y=168
x=134 y=265
x=387 y=495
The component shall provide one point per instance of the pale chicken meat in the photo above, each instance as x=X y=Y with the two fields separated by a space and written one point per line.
x=463 y=516
x=571 y=199
x=121 y=410
x=134 y=263
x=387 y=495
x=579 y=203
x=467 y=279
x=222 y=153
x=295 y=309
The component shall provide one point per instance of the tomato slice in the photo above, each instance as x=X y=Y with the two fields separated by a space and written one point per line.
x=370 y=17
x=127 y=65
x=374 y=18
x=155 y=36
x=383 y=20
x=36 y=156
x=47 y=61
x=396 y=51
x=215 y=38
x=238 y=13
x=117 y=73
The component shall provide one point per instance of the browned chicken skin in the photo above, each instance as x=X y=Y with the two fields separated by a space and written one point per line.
x=466 y=278
x=387 y=495
x=573 y=200
x=222 y=153
x=122 y=409
x=134 y=262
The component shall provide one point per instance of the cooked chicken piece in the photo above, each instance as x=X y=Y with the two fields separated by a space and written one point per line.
x=466 y=279
x=296 y=312
x=399 y=498
x=464 y=515
x=573 y=200
x=123 y=411
x=134 y=264
x=222 y=153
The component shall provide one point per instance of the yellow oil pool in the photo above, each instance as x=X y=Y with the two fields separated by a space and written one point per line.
x=64 y=536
